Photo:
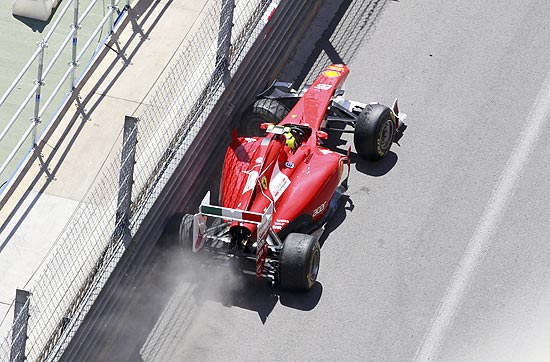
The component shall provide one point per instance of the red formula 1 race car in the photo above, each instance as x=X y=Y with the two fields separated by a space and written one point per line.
x=277 y=190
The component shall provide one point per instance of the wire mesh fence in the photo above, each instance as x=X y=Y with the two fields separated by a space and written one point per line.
x=89 y=247
x=334 y=36
x=357 y=23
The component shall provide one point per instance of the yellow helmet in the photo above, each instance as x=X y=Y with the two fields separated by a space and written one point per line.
x=291 y=141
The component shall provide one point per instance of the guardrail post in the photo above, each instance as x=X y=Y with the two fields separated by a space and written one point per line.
x=43 y=45
x=126 y=179
x=75 y=28
x=224 y=36
x=113 y=8
x=19 y=327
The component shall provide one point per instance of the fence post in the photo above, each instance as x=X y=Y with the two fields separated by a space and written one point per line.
x=43 y=45
x=19 y=327
x=113 y=8
x=224 y=36
x=75 y=28
x=126 y=179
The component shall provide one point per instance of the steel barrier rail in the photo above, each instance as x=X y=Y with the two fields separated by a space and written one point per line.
x=39 y=50
x=35 y=54
x=42 y=74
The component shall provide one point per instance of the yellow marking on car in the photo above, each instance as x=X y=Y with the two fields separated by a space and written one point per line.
x=331 y=73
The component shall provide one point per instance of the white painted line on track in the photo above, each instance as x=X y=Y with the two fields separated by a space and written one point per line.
x=479 y=243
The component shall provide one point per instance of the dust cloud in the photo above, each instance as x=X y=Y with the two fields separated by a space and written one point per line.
x=176 y=293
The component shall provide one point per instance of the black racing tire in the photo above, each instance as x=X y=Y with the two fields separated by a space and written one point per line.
x=374 y=132
x=185 y=236
x=299 y=262
x=262 y=111
x=169 y=236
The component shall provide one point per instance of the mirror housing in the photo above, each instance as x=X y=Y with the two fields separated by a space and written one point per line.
x=322 y=135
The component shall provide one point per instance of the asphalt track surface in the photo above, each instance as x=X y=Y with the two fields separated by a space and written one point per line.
x=439 y=253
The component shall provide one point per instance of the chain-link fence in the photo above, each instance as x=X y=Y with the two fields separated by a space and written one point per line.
x=90 y=245
x=357 y=23
x=333 y=37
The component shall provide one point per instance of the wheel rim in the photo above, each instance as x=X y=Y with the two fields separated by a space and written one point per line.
x=386 y=134
x=314 y=267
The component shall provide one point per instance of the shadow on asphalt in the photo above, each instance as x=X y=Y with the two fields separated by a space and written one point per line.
x=260 y=296
x=338 y=30
x=344 y=206
x=375 y=168
x=224 y=282
x=372 y=168
x=166 y=301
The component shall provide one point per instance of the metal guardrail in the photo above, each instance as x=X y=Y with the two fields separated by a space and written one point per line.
x=90 y=246
x=39 y=110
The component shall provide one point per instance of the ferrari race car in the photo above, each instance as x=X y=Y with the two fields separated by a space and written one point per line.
x=278 y=189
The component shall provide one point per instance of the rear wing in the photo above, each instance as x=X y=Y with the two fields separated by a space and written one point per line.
x=262 y=220
x=227 y=213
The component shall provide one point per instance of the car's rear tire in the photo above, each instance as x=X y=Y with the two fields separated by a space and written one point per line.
x=374 y=132
x=262 y=111
x=299 y=262
x=185 y=236
x=169 y=236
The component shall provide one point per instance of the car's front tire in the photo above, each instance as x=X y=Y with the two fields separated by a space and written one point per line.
x=374 y=132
